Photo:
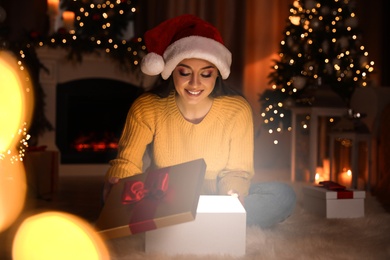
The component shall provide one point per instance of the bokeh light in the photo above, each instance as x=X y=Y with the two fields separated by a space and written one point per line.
x=57 y=235
x=15 y=110
x=15 y=99
x=12 y=192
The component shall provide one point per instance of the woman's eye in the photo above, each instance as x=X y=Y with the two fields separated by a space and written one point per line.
x=208 y=75
x=184 y=74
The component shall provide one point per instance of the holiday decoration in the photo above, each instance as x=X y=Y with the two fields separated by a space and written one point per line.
x=321 y=49
x=80 y=27
x=92 y=26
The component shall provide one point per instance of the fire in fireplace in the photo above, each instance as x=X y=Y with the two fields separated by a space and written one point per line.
x=90 y=116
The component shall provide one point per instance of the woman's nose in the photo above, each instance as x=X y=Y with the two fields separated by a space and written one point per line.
x=194 y=81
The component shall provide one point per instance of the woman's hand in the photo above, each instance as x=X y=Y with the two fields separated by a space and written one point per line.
x=108 y=185
x=237 y=195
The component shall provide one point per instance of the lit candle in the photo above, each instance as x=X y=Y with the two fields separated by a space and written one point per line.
x=68 y=18
x=345 y=178
x=53 y=12
x=326 y=167
x=52 y=6
x=319 y=175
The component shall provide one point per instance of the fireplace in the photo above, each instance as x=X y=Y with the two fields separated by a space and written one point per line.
x=90 y=116
x=83 y=83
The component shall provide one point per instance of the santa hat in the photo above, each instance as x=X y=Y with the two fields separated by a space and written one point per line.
x=180 y=38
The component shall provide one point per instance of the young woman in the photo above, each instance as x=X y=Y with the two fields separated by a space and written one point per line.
x=194 y=115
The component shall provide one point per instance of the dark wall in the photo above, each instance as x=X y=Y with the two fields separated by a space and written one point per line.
x=24 y=16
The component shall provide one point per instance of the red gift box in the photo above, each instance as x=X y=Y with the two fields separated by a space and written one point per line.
x=42 y=169
x=152 y=200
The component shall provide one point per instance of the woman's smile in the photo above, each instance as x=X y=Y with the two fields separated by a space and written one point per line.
x=194 y=93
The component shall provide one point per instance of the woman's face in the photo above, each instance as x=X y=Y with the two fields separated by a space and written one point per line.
x=194 y=80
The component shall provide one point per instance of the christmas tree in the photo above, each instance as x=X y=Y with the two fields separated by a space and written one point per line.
x=322 y=48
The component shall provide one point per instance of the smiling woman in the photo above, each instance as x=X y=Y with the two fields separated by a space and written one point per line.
x=194 y=115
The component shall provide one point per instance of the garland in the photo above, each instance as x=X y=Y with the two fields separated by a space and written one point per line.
x=98 y=27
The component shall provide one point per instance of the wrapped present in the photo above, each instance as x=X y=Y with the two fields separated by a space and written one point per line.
x=219 y=229
x=152 y=200
x=332 y=200
x=42 y=168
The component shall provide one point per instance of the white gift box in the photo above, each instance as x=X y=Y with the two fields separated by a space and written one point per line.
x=334 y=204
x=219 y=228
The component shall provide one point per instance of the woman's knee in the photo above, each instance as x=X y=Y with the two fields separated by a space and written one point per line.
x=269 y=203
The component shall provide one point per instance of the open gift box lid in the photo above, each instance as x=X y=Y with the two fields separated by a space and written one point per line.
x=323 y=193
x=178 y=204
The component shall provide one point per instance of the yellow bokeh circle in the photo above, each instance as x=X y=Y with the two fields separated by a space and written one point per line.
x=57 y=235
x=15 y=99
x=16 y=105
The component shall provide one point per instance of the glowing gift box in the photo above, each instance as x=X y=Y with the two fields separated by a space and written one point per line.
x=152 y=200
x=219 y=229
x=334 y=204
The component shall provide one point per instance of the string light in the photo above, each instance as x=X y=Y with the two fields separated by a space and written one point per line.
x=17 y=156
x=94 y=25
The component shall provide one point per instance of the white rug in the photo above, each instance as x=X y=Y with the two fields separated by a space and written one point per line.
x=302 y=236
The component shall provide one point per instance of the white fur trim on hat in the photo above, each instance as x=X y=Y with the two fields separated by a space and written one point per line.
x=197 y=47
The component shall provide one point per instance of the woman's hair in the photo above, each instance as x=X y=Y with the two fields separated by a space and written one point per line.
x=164 y=88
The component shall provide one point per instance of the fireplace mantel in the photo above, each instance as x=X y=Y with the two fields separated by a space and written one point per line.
x=61 y=70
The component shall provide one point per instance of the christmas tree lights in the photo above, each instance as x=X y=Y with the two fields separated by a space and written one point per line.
x=322 y=47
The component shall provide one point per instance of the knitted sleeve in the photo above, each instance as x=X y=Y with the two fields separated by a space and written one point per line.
x=137 y=134
x=239 y=170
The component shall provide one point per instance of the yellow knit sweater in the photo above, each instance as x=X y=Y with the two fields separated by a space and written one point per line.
x=224 y=139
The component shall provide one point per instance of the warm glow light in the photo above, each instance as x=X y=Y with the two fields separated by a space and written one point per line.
x=55 y=235
x=345 y=178
x=295 y=20
x=15 y=109
x=68 y=18
x=12 y=192
x=12 y=100
x=52 y=6
x=320 y=175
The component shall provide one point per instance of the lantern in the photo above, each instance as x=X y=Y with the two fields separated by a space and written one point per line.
x=349 y=147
